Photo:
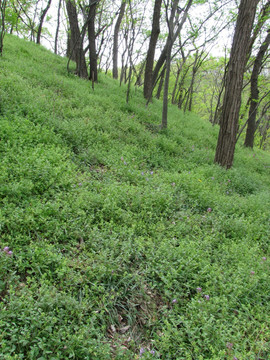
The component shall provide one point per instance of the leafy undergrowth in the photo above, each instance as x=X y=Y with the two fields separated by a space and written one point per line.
x=120 y=241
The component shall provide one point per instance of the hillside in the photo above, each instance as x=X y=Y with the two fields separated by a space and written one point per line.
x=120 y=241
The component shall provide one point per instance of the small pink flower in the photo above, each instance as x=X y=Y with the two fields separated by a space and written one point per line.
x=199 y=289
x=263 y=258
x=174 y=301
x=9 y=253
x=229 y=345
x=6 y=249
x=209 y=210
x=207 y=297
x=252 y=272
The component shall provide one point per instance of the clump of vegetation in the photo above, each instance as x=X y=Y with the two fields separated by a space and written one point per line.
x=119 y=241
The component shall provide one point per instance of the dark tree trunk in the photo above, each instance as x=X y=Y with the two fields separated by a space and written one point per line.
x=69 y=53
x=179 y=69
x=148 y=74
x=42 y=17
x=76 y=41
x=92 y=41
x=199 y=58
x=164 y=122
x=254 y=93
x=2 y=24
x=163 y=54
x=57 y=27
x=264 y=133
x=170 y=23
x=139 y=81
x=234 y=81
x=115 y=39
x=161 y=81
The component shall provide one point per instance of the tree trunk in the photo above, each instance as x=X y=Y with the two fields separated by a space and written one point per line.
x=254 y=94
x=148 y=74
x=163 y=54
x=57 y=27
x=2 y=24
x=264 y=133
x=115 y=39
x=76 y=41
x=92 y=41
x=234 y=81
x=161 y=81
x=170 y=23
x=42 y=17
x=179 y=69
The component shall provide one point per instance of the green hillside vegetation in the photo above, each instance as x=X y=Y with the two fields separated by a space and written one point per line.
x=119 y=241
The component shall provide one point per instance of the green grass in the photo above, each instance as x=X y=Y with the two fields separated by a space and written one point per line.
x=110 y=228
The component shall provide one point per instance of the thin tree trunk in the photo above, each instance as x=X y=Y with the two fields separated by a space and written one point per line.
x=179 y=69
x=42 y=17
x=2 y=24
x=161 y=81
x=249 y=140
x=234 y=82
x=115 y=39
x=163 y=54
x=170 y=23
x=148 y=74
x=57 y=27
x=264 y=132
x=92 y=42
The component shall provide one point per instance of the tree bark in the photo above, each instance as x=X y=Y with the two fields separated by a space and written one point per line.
x=92 y=41
x=162 y=57
x=115 y=39
x=2 y=24
x=75 y=40
x=160 y=84
x=254 y=93
x=148 y=74
x=57 y=27
x=42 y=17
x=170 y=23
x=234 y=81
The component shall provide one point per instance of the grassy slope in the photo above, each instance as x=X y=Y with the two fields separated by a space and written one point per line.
x=108 y=223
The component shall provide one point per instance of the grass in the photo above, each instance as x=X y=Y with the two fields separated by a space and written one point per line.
x=126 y=242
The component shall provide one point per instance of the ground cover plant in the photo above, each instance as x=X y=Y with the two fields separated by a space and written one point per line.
x=119 y=241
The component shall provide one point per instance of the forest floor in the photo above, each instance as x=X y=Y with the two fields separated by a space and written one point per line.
x=118 y=240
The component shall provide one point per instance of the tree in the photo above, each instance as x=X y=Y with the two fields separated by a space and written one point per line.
x=148 y=74
x=170 y=23
x=92 y=40
x=57 y=27
x=173 y=20
x=76 y=40
x=115 y=38
x=2 y=23
x=42 y=17
x=254 y=92
x=233 y=85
